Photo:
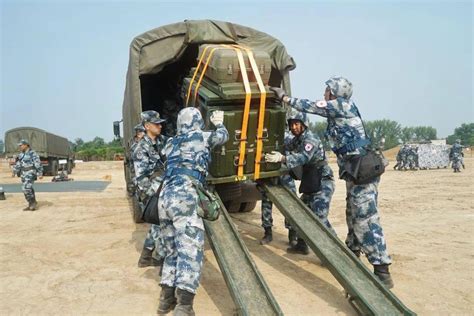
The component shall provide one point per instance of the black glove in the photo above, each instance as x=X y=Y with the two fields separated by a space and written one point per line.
x=280 y=93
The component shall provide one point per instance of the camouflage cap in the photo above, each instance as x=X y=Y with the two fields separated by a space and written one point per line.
x=151 y=117
x=23 y=142
x=139 y=128
x=298 y=116
x=340 y=87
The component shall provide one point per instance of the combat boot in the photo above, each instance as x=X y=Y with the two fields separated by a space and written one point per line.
x=33 y=205
x=381 y=271
x=300 y=248
x=27 y=208
x=292 y=238
x=146 y=259
x=185 y=303
x=167 y=299
x=267 y=237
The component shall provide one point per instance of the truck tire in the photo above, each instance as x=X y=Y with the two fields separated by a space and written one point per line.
x=229 y=191
x=247 y=206
x=137 y=212
x=232 y=206
x=54 y=167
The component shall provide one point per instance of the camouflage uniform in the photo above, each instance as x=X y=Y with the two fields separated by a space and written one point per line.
x=347 y=136
x=307 y=150
x=456 y=156
x=267 y=205
x=188 y=156
x=28 y=166
x=149 y=167
x=132 y=144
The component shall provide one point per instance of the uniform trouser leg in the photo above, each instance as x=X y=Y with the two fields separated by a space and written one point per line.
x=27 y=188
x=152 y=237
x=267 y=218
x=365 y=232
x=182 y=232
x=320 y=201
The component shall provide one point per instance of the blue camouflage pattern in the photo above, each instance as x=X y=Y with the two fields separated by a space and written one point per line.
x=345 y=128
x=182 y=230
x=148 y=168
x=456 y=156
x=307 y=149
x=29 y=167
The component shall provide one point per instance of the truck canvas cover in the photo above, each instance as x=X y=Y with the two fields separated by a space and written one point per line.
x=162 y=57
x=44 y=143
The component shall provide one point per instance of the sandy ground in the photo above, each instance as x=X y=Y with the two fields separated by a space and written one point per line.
x=77 y=254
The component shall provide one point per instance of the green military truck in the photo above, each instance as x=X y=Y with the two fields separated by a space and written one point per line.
x=51 y=148
x=162 y=64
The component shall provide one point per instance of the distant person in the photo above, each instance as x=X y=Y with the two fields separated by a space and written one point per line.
x=149 y=168
x=456 y=156
x=349 y=141
x=132 y=144
x=28 y=167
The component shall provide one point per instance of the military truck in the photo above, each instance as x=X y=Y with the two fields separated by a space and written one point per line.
x=165 y=74
x=50 y=147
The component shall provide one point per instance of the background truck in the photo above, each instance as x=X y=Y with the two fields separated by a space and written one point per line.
x=161 y=65
x=51 y=148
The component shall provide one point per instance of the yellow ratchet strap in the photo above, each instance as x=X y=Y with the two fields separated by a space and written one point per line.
x=195 y=73
x=261 y=113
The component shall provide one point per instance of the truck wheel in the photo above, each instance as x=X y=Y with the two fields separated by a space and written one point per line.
x=137 y=212
x=232 y=206
x=247 y=206
x=54 y=167
x=229 y=191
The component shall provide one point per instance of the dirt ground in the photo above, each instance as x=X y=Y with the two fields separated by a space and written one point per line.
x=78 y=253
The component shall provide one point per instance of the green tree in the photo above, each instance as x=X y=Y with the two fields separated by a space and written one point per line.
x=465 y=133
x=385 y=129
x=424 y=133
x=407 y=134
x=319 y=128
x=2 y=146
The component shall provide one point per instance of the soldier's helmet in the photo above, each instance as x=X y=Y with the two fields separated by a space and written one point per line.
x=139 y=128
x=23 y=142
x=340 y=87
x=298 y=116
x=458 y=141
x=151 y=117
x=189 y=119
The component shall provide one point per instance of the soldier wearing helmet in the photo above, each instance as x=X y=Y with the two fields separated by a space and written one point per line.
x=149 y=167
x=28 y=167
x=456 y=156
x=348 y=139
x=317 y=182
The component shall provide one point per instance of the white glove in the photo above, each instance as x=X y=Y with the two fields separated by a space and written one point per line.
x=217 y=118
x=274 y=157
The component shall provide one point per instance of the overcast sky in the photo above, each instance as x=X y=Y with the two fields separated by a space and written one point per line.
x=63 y=63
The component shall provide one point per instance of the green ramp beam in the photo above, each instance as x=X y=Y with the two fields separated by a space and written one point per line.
x=366 y=293
x=249 y=291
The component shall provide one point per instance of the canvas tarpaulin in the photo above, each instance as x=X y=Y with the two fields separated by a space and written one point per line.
x=150 y=52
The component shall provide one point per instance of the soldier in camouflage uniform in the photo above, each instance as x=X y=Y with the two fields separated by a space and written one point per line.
x=267 y=205
x=149 y=168
x=347 y=137
x=456 y=156
x=317 y=184
x=132 y=144
x=188 y=157
x=28 y=167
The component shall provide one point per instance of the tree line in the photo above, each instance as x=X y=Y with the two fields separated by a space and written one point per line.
x=96 y=149
x=391 y=133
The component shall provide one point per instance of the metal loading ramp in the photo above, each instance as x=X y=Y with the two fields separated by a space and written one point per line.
x=366 y=293
x=248 y=289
